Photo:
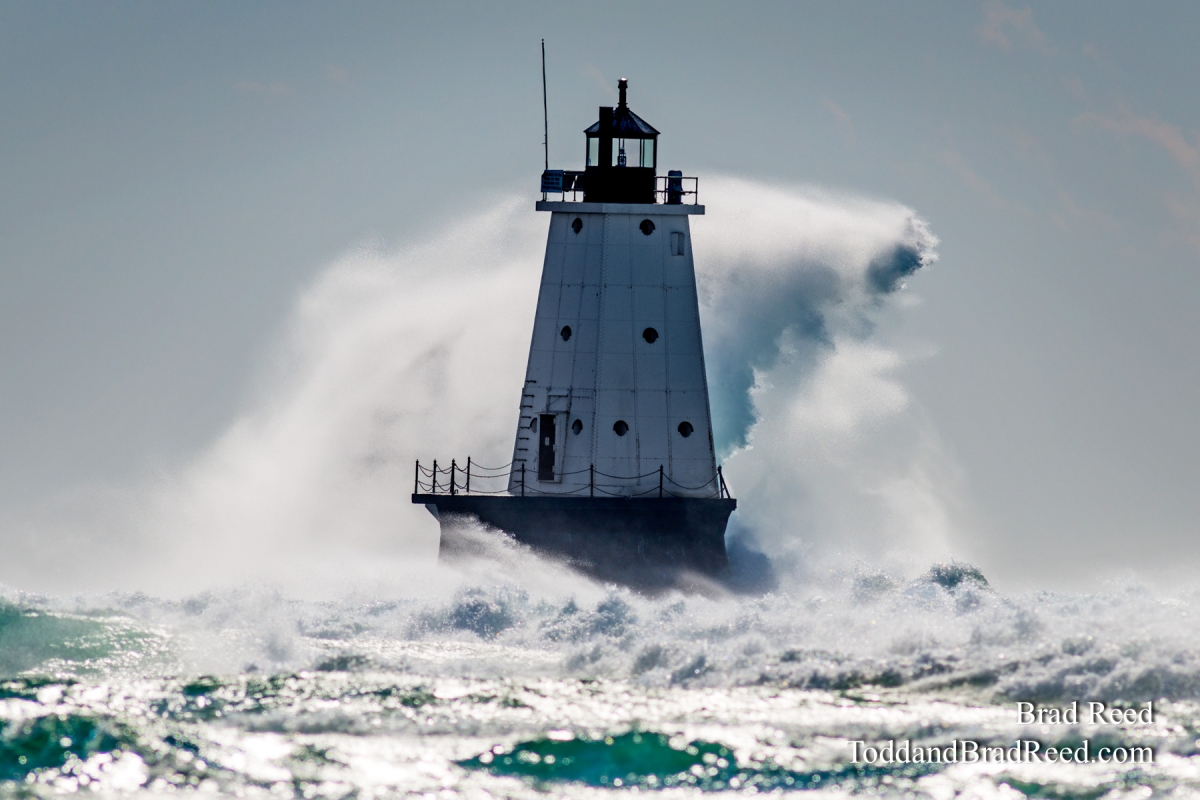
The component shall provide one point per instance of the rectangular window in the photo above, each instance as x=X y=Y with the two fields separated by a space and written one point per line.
x=647 y=159
x=593 y=151
x=677 y=243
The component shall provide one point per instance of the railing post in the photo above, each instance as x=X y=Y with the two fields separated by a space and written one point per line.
x=434 y=489
x=468 y=474
x=417 y=478
x=660 y=476
x=522 y=479
x=453 y=476
x=721 y=490
x=591 y=480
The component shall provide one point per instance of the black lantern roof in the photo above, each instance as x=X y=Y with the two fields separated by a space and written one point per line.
x=625 y=123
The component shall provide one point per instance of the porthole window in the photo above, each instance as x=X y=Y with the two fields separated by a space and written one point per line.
x=565 y=333
x=650 y=335
x=577 y=427
x=621 y=428
x=577 y=225
x=533 y=424
x=685 y=429
x=647 y=227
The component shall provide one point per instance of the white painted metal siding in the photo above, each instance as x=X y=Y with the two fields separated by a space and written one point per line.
x=610 y=282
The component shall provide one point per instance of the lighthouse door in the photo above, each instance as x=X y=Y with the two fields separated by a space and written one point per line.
x=547 y=439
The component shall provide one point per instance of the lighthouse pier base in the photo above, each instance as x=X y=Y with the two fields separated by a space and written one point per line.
x=640 y=541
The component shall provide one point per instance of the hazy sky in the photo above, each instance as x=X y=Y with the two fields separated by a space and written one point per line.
x=174 y=173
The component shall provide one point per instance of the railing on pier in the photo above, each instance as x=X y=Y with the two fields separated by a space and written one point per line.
x=513 y=480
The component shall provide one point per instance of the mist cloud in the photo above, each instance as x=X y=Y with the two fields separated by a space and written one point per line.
x=390 y=356
x=820 y=438
x=792 y=269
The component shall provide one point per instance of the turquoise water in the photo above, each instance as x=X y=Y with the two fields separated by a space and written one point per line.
x=491 y=689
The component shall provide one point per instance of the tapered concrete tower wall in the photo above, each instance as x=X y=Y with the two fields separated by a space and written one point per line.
x=613 y=467
x=616 y=348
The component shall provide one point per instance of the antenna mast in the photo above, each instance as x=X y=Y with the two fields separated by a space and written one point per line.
x=545 y=113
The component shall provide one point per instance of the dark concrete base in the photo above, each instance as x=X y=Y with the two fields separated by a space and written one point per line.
x=639 y=541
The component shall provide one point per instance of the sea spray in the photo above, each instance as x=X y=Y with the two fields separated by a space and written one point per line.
x=824 y=445
x=391 y=356
x=405 y=690
x=853 y=628
x=304 y=641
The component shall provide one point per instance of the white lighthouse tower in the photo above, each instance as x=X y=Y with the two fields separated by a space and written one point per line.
x=615 y=383
x=613 y=464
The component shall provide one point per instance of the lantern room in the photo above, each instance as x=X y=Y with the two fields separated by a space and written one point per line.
x=622 y=155
x=621 y=138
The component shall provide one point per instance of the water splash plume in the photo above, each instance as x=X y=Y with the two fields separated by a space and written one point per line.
x=395 y=355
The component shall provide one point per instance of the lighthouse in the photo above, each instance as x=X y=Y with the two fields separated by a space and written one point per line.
x=613 y=466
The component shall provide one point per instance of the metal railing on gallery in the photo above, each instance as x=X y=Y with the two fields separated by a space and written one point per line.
x=513 y=480
x=671 y=190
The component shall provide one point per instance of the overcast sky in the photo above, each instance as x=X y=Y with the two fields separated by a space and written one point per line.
x=175 y=173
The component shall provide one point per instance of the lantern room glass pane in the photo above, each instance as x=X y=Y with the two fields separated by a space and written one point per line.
x=593 y=151
x=647 y=159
